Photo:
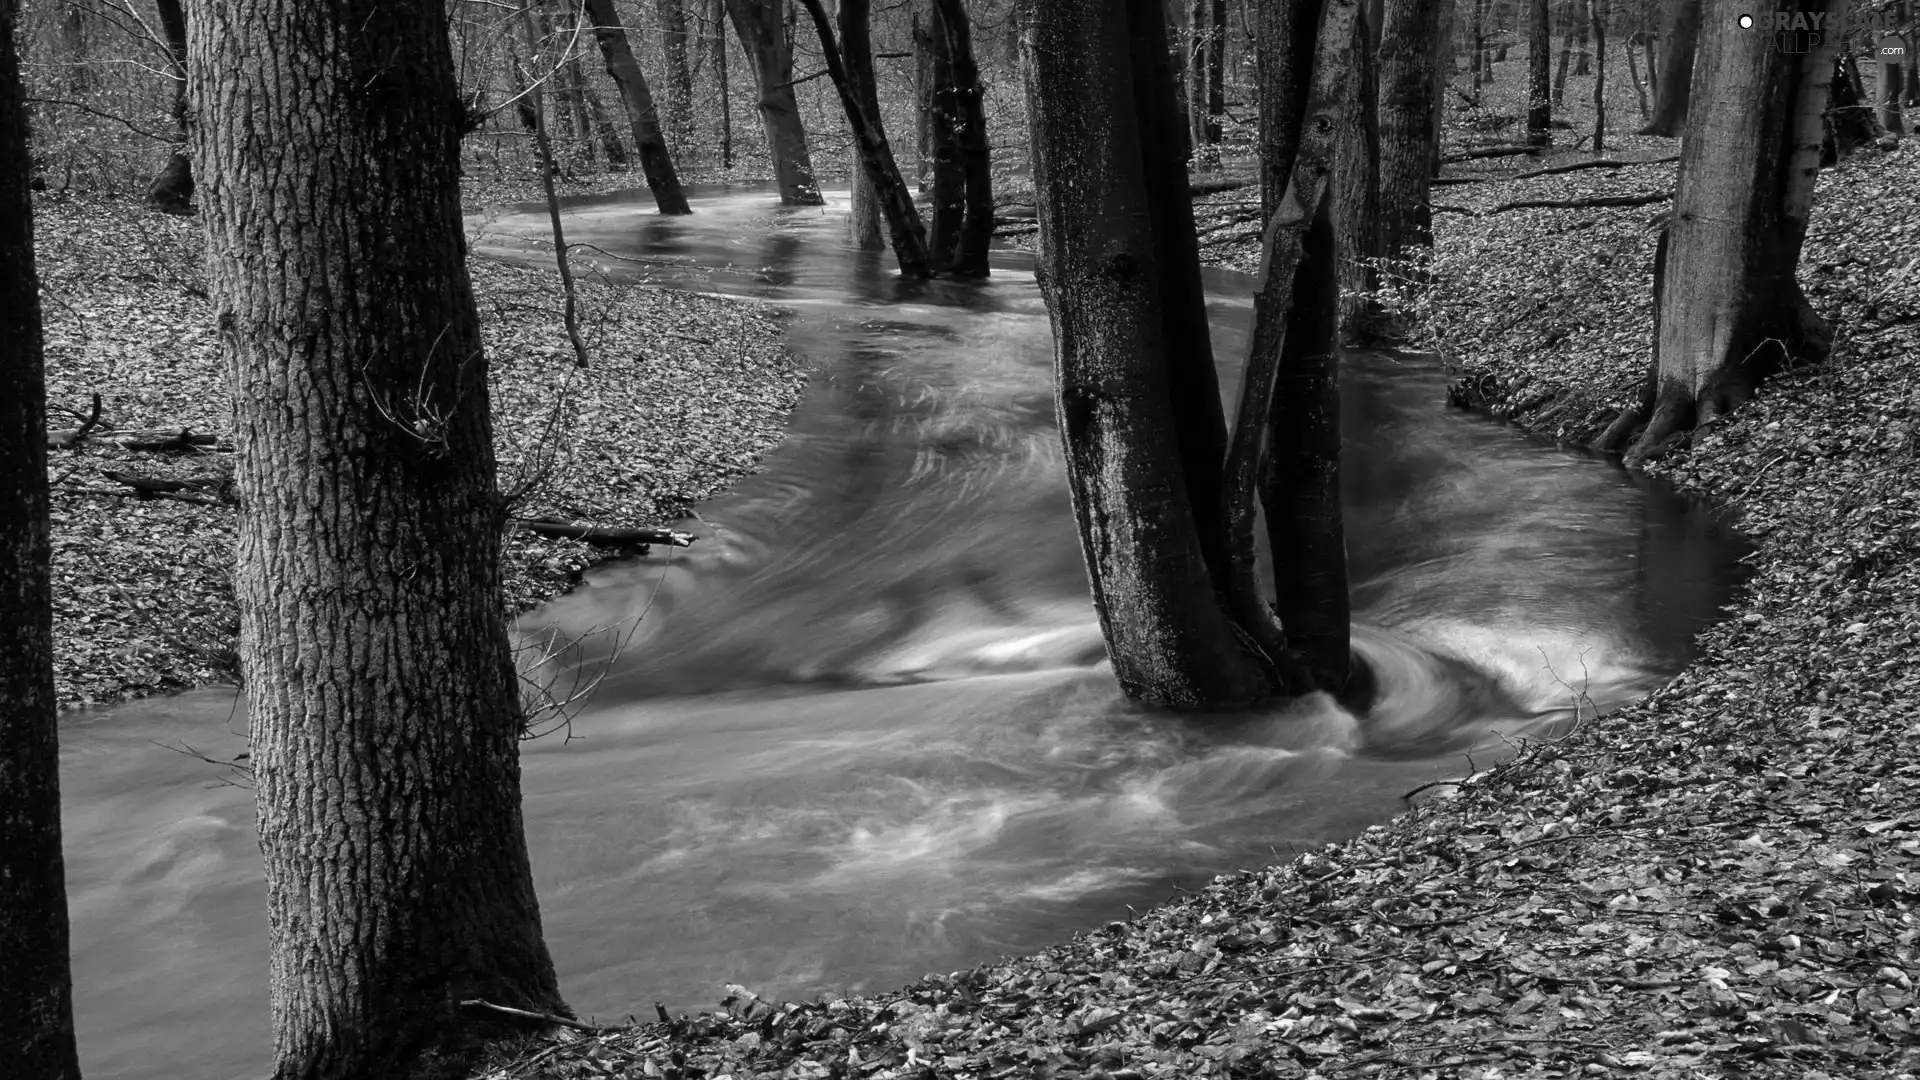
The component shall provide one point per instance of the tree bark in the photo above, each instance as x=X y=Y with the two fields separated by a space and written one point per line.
x=1284 y=55
x=721 y=81
x=1216 y=71
x=385 y=714
x=673 y=51
x=1539 y=76
x=1356 y=190
x=949 y=172
x=1728 y=309
x=850 y=64
x=171 y=190
x=648 y=142
x=759 y=26
x=1679 y=37
x=925 y=78
x=1597 y=10
x=36 y=984
x=1167 y=633
x=1410 y=94
x=967 y=110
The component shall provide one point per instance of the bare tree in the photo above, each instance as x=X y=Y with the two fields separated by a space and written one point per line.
x=36 y=984
x=1679 y=36
x=656 y=163
x=1410 y=91
x=1539 y=74
x=759 y=26
x=172 y=188
x=385 y=712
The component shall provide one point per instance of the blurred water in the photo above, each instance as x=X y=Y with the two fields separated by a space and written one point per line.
x=865 y=728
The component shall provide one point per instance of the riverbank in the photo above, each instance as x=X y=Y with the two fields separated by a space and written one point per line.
x=682 y=395
x=1723 y=879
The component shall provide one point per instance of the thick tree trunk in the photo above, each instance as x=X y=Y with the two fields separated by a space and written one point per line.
x=1679 y=37
x=759 y=26
x=171 y=190
x=1410 y=96
x=1169 y=637
x=1284 y=58
x=1728 y=308
x=1356 y=190
x=36 y=986
x=1539 y=76
x=949 y=171
x=673 y=50
x=864 y=229
x=384 y=705
x=852 y=74
x=655 y=162
x=967 y=109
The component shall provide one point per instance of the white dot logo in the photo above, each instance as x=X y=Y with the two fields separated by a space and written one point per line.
x=1746 y=22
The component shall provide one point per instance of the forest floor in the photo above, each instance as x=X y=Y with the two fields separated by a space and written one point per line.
x=1721 y=880
x=682 y=394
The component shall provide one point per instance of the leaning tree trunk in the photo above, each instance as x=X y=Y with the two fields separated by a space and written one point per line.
x=171 y=190
x=758 y=24
x=380 y=680
x=1727 y=307
x=1170 y=639
x=966 y=109
x=655 y=162
x=36 y=986
x=1410 y=93
x=1539 y=76
x=1679 y=38
x=673 y=51
x=851 y=69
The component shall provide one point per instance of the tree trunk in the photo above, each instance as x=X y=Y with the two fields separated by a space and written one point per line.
x=1597 y=10
x=605 y=129
x=1850 y=121
x=1727 y=307
x=36 y=984
x=852 y=73
x=384 y=705
x=171 y=190
x=1482 y=71
x=1216 y=72
x=1633 y=72
x=925 y=78
x=1284 y=57
x=968 y=110
x=1410 y=96
x=673 y=51
x=1560 y=70
x=759 y=26
x=1170 y=639
x=721 y=80
x=1679 y=37
x=949 y=173
x=655 y=162
x=1539 y=76
x=1356 y=191
x=1199 y=19
x=864 y=230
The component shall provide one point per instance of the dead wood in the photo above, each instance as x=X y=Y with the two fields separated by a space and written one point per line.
x=605 y=536
x=70 y=438
x=1602 y=163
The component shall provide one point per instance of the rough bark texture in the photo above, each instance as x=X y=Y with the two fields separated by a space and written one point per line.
x=36 y=987
x=673 y=52
x=949 y=209
x=1539 y=75
x=171 y=190
x=719 y=23
x=1410 y=92
x=758 y=24
x=850 y=65
x=648 y=142
x=1284 y=55
x=1728 y=308
x=1170 y=640
x=1679 y=37
x=384 y=707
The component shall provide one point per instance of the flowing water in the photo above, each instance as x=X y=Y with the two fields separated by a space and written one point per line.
x=865 y=729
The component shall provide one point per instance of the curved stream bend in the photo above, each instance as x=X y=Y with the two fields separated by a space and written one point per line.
x=864 y=730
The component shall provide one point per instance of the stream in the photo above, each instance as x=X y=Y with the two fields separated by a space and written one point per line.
x=865 y=728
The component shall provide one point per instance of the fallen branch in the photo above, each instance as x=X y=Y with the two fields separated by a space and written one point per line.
x=1600 y=163
x=1489 y=152
x=196 y=500
x=163 y=442
x=604 y=536
x=478 y=1005
x=1582 y=204
x=68 y=439
x=1214 y=187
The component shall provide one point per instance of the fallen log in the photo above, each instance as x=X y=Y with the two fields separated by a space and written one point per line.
x=1489 y=152
x=1583 y=204
x=1214 y=187
x=163 y=441
x=72 y=437
x=605 y=536
x=1603 y=163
